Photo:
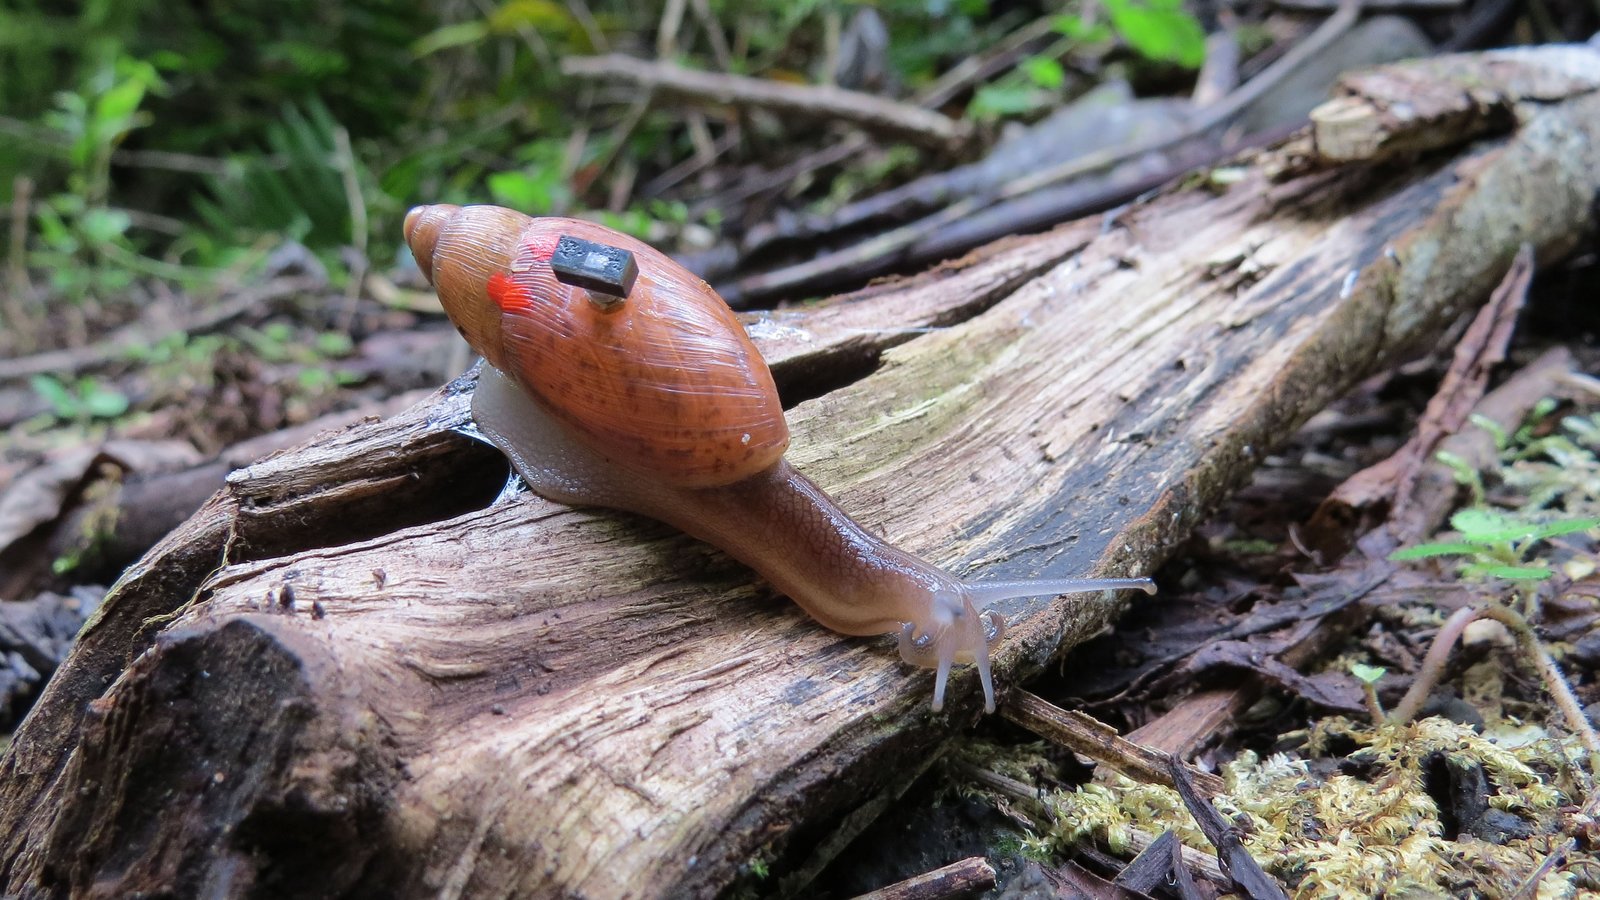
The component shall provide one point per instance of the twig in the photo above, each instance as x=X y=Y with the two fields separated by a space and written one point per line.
x=1156 y=865
x=116 y=346
x=1348 y=13
x=935 y=95
x=1098 y=741
x=1506 y=405
x=1480 y=349
x=865 y=110
x=667 y=31
x=960 y=77
x=18 y=286
x=1242 y=868
x=975 y=68
x=831 y=28
x=1411 y=480
x=1483 y=23
x=1433 y=666
x=147 y=159
x=345 y=161
x=828 y=155
x=1205 y=714
x=537 y=45
x=622 y=184
x=714 y=36
x=691 y=166
x=622 y=132
x=959 y=879
x=1219 y=75
x=168 y=161
x=1583 y=382
x=597 y=37
x=890 y=242
x=1529 y=888
x=1137 y=839
x=933 y=235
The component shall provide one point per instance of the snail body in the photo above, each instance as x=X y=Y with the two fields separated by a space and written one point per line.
x=658 y=403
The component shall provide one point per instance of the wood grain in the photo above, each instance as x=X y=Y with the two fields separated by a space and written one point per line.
x=349 y=664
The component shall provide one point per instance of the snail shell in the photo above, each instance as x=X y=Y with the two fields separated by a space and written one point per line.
x=666 y=382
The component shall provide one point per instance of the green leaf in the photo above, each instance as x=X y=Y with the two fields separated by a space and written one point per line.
x=457 y=35
x=61 y=399
x=114 y=109
x=1565 y=526
x=1366 y=673
x=100 y=401
x=1423 y=551
x=534 y=191
x=1044 y=72
x=53 y=230
x=1250 y=547
x=1491 y=426
x=993 y=101
x=102 y=226
x=544 y=15
x=65 y=563
x=1074 y=27
x=1512 y=573
x=1482 y=526
x=636 y=222
x=1462 y=471
x=1160 y=30
x=314 y=378
x=334 y=343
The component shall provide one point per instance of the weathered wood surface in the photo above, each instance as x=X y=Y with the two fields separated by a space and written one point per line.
x=350 y=674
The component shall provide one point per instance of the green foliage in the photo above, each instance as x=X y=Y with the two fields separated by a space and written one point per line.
x=538 y=187
x=1561 y=467
x=1160 y=30
x=1044 y=72
x=229 y=127
x=81 y=401
x=95 y=118
x=1038 y=84
x=279 y=342
x=292 y=186
x=1495 y=544
x=1007 y=98
x=83 y=242
x=1081 y=31
x=1367 y=674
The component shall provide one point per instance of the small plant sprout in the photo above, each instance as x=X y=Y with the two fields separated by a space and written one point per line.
x=1368 y=676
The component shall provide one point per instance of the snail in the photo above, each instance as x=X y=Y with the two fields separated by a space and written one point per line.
x=614 y=377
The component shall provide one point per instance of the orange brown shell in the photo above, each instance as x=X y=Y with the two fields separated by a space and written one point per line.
x=667 y=382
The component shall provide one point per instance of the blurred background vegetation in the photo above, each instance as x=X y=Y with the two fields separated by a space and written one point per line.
x=158 y=157
x=181 y=141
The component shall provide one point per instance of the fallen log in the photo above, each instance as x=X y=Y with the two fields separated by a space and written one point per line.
x=347 y=675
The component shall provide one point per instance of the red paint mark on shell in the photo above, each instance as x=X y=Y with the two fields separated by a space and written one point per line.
x=507 y=294
x=542 y=246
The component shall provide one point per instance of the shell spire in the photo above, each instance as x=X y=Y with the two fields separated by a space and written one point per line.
x=665 y=381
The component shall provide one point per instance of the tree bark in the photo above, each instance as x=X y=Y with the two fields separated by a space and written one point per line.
x=353 y=674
